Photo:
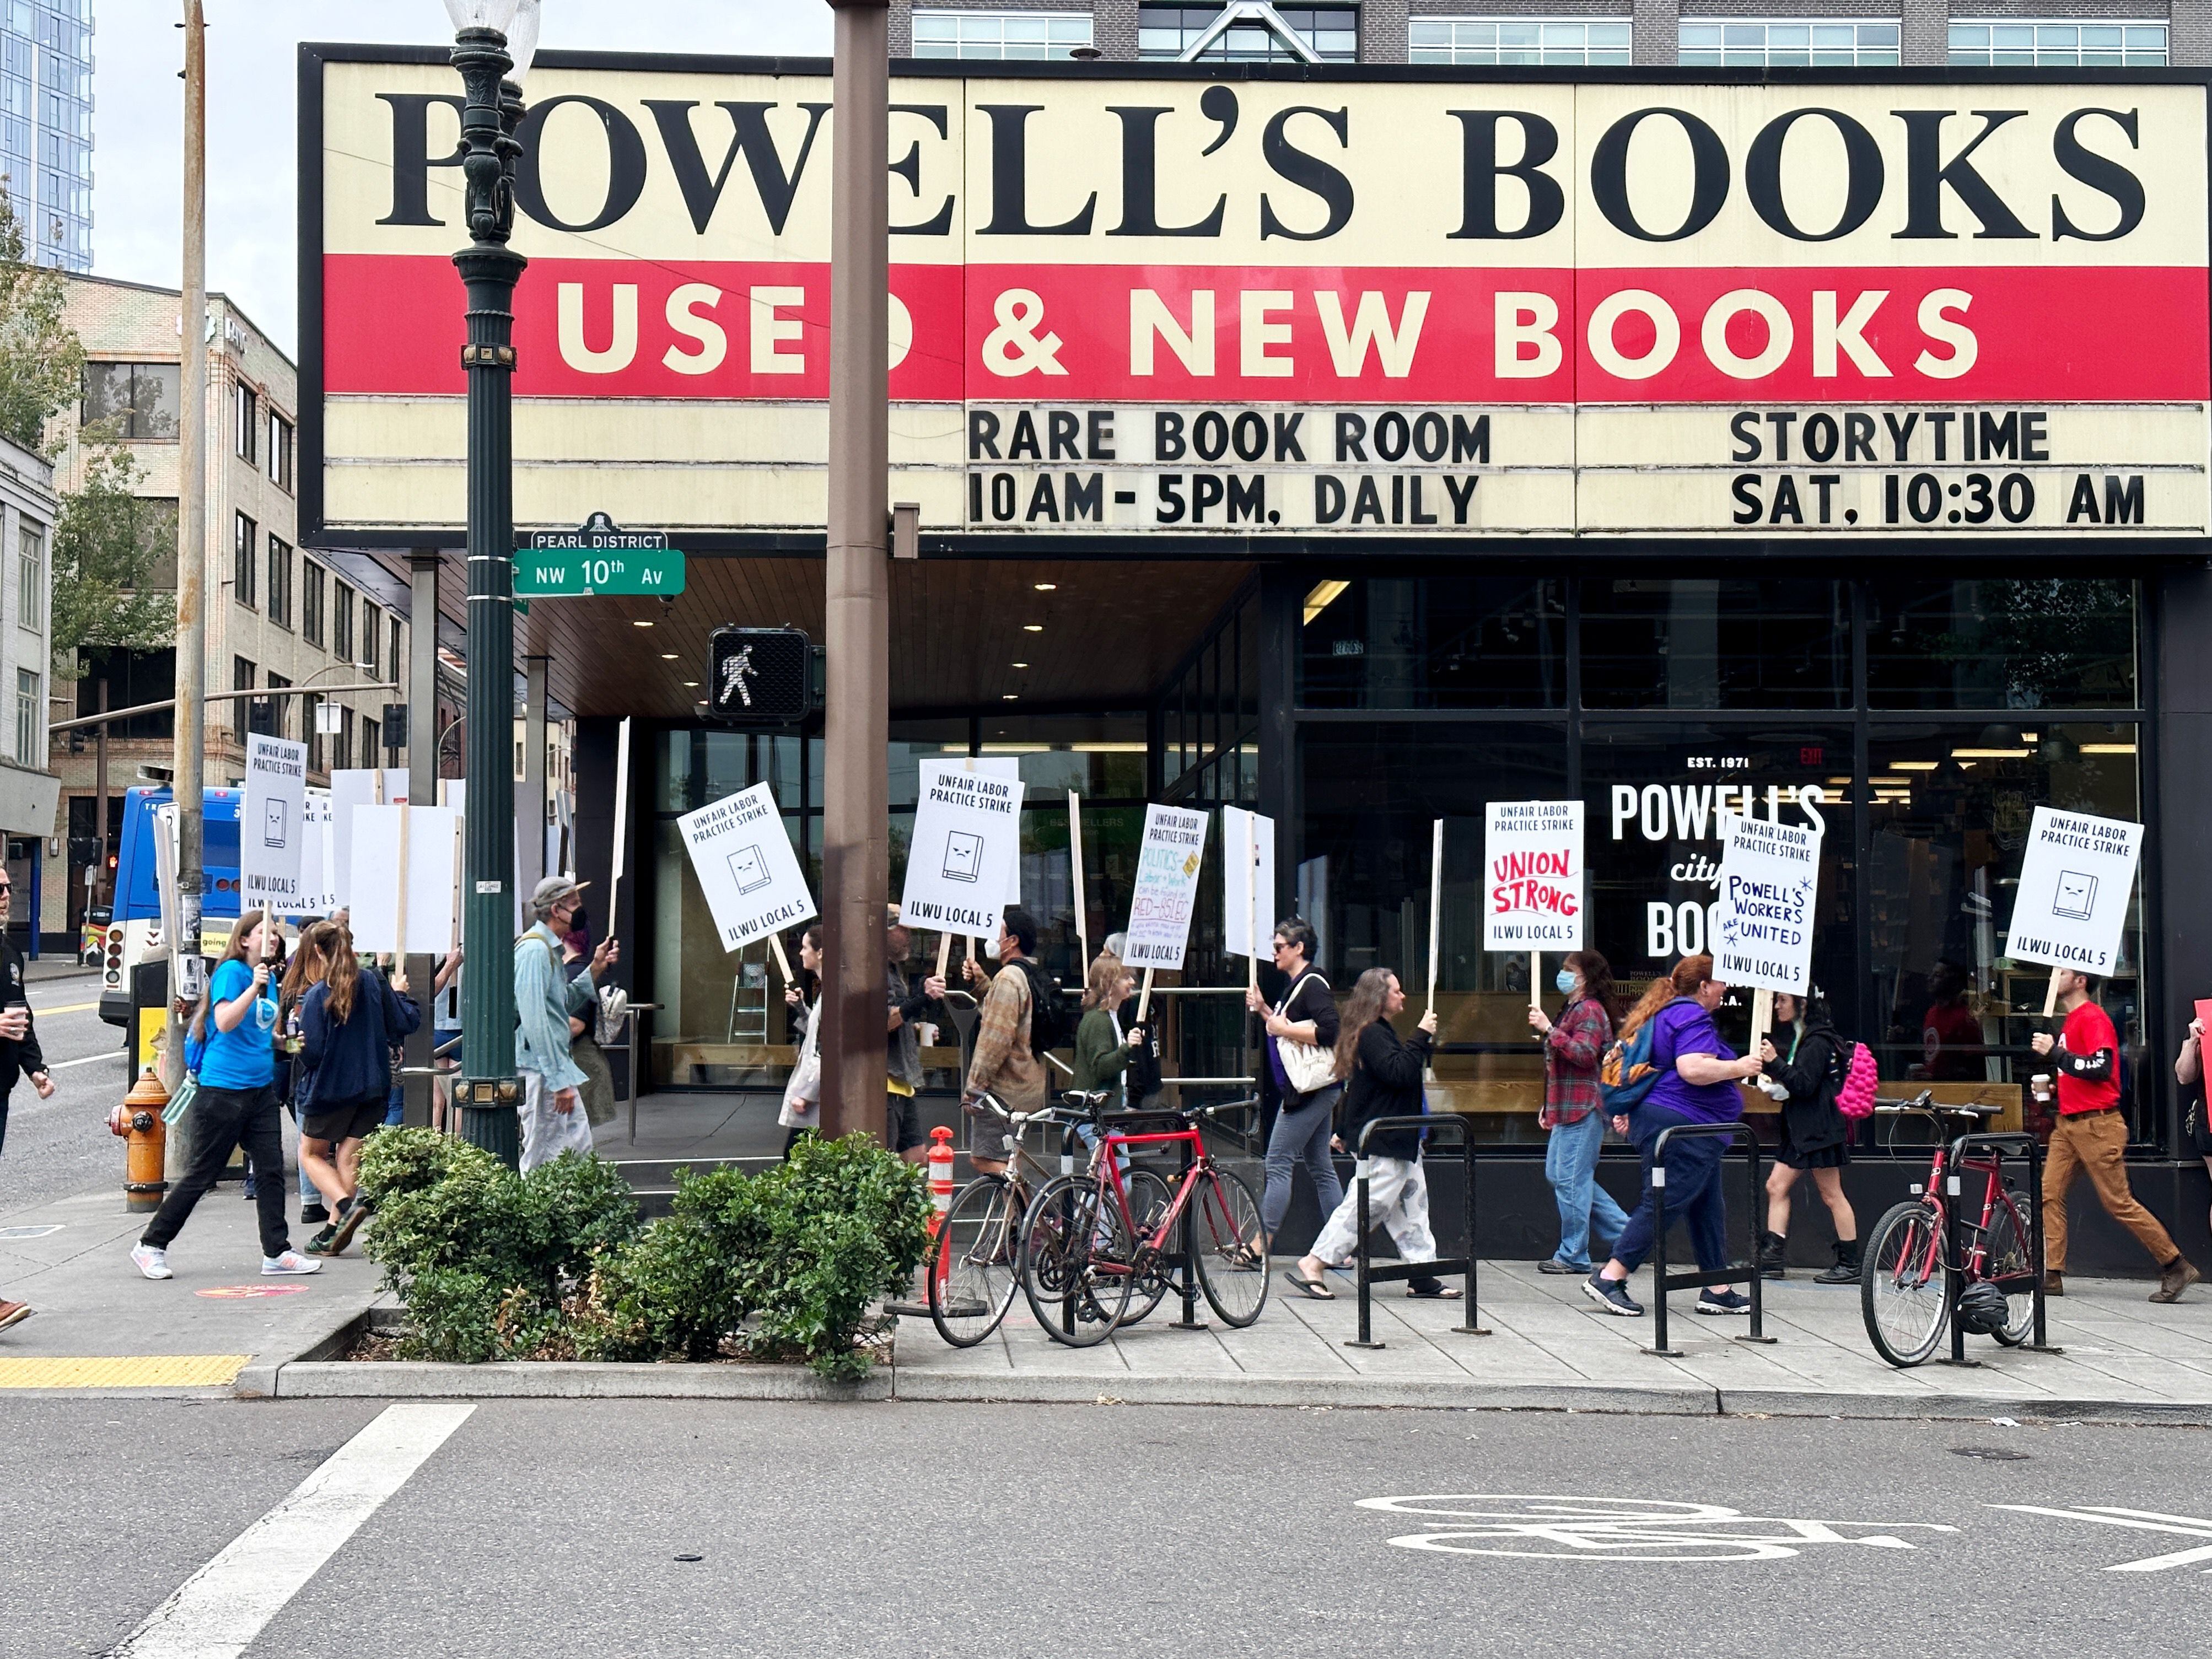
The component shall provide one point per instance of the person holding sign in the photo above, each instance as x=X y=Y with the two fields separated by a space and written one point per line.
x=2091 y=1135
x=1004 y=1066
x=1807 y=1062
x=348 y=1020
x=2189 y=1072
x=904 y=1010
x=553 y=1121
x=1574 y=1044
x=1698 y=1075
x=1306 y=1020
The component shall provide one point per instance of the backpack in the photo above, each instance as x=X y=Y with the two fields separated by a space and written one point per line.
x=1626 y=1075
x=1854 y=1100
x=1052 y=1021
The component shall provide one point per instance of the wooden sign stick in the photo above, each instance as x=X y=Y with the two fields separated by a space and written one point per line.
x=1762 y=1017
x=1536 y=979
x=405 y=813
x=944 y=953
x=622 y=825
x=1145 y=998
x=782 y=961
x=2051 y=995
x=1075 y=869
x=1252 y=896
x=1436 y=905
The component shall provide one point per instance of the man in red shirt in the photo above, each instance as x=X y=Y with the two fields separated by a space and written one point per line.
x=2090 y=1135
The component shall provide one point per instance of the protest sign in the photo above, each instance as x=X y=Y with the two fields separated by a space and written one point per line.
x=405 y=879
x=964 y=859
x=2075 y=885
x=1532 y=865
x=743 y=856
x=272 y=828
x=319 y=894
x=1763 y=929
x=1248 y=885
x=351 y=788
x=1166 y=889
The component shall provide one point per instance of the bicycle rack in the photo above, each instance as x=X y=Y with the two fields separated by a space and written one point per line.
x=1998 y=1141
x=1736 y=1272
x=1370 y=1275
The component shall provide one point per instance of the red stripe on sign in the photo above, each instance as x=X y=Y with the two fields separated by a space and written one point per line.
x=621 y=328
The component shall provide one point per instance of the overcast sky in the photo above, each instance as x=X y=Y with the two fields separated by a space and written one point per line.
x=138 y=107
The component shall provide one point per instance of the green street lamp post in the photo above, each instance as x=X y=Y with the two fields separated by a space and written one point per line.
x=493 y=38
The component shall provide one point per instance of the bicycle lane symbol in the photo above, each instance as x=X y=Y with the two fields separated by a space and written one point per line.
x=2186 y=1525
x=1576 y=1528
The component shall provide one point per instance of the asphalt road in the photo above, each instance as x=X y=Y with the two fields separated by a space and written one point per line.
x=562 y=1528
x=59 y=1147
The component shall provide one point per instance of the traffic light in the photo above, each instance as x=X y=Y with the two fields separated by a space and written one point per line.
x=760 y=677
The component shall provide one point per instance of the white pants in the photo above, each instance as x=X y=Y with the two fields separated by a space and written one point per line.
x=1397 y=1200
x=547 y=1134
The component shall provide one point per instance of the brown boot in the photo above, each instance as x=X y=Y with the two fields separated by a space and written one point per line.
x=2177 y=1277
x=2054 y=1282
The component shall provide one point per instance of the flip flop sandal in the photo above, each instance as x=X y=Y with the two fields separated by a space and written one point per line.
x=1311 y=1288
x=1442 y=1294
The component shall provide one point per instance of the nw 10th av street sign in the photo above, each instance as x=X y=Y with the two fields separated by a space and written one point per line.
x=599 y=557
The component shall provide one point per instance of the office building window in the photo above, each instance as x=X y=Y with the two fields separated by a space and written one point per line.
x=311 y=601
x=132 y=400
x=1752 y=45
x=241 y=679
x=311 y=727
x=344 y=760
x=278 y=606
x=31 y=575
x=27 y=746
x=999 y=34
x=280 y=450
x=1517 y=40
x=342 y=622
x=2063 y=45
x=1331 y=33
x=372 y=635
x=371 y=739
x=249 y=424
x=277 y=719
x=392 y=673
x=242 y=561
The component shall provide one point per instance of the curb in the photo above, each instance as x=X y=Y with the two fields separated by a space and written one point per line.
x=1460 y=1394
x=560 y=1379
x=1798 y=1402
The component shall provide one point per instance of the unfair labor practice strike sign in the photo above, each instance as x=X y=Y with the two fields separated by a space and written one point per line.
x=2075 y=885
x=963 y=865
x=1532 y=862
x=271 y=827
x=1763 y=928
x=746 y=867
x=1166 y=890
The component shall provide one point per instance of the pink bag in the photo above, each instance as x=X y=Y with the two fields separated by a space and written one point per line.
x=1856 y=1098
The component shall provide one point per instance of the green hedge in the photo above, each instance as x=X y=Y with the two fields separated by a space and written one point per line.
x=557 y=1264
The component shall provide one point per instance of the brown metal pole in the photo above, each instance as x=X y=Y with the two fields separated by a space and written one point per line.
x=856 y=791
x=100 y=804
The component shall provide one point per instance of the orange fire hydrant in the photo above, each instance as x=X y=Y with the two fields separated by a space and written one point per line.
x=940 y=1176
x=138 y=1121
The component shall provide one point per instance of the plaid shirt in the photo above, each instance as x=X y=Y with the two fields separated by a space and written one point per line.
x=1002 y=1062
x=1572 y=1048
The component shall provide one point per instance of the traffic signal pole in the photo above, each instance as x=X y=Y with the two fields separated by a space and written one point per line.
x=855 y=786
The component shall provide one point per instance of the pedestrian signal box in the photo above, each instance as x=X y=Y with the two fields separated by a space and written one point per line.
x=760 y=677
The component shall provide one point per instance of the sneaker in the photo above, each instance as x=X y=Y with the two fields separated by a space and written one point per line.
x=351 y=1214
x=1612 y=1295
x=154 y=1263
x=1551 y=1264
x=1723 y=1302
x=2178 y=1277
x=321 y=1242
x=12 y=1313
x=313 y=1215
x=291 y=1262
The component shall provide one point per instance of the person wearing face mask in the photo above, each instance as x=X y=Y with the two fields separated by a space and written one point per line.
x=1697 y=1083
x=1807 y=1062
x=1573 y=1113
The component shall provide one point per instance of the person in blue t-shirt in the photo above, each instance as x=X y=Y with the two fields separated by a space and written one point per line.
x=233 y=1034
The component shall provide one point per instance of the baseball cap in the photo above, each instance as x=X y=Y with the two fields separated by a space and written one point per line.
x=553 y=889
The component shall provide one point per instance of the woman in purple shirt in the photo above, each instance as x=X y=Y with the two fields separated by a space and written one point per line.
x=1697 y=1083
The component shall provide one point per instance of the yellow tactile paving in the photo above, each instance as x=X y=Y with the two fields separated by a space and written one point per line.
x=176 y=1371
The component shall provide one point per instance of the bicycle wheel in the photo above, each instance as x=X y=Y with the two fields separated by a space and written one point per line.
x=1901 y=1283
x=975 y=1263
x=2005 y=1255
x=1149 y=1199
x=1224 y=1234
x=1074 y=1262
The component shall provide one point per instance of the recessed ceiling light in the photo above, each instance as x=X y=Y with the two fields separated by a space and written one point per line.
x=668 y=656
x=1010 y=697
x=640 y=624
x=1045 y=587
x=1021 y=665
x=691 y=684
x=1032 y=628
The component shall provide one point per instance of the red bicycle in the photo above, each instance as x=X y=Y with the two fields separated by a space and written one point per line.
x=1901 y=1275
x=1087 y=1250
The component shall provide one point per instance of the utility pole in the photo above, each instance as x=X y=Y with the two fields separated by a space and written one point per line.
x=856 y=874
x=190 y=741
x=99 y=887
x=422 y=568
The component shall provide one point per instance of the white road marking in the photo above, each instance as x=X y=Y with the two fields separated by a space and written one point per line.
x=1578 y=1529
x=2187 y=1526
x=218 y=1612
x=111 y=1057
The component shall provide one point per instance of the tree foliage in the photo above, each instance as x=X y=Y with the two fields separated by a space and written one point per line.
x=41 y=360
x=111 y=550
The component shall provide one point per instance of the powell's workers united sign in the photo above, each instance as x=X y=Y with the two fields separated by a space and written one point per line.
x=1411 y=307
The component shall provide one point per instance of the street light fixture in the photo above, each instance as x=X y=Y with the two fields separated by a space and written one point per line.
x=493 y=45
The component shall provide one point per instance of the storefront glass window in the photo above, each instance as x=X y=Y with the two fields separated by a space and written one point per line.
x=1419 y=642
x=2001 y=643
x=1951 y=805
x=1715 y=642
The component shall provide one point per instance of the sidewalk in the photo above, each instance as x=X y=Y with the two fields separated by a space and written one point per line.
x=218 y=1327
x=1549 y=1348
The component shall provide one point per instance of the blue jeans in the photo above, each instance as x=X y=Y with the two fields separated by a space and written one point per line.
x=1570 y=1165
x=1694 y=1191
x=1301 y=1136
